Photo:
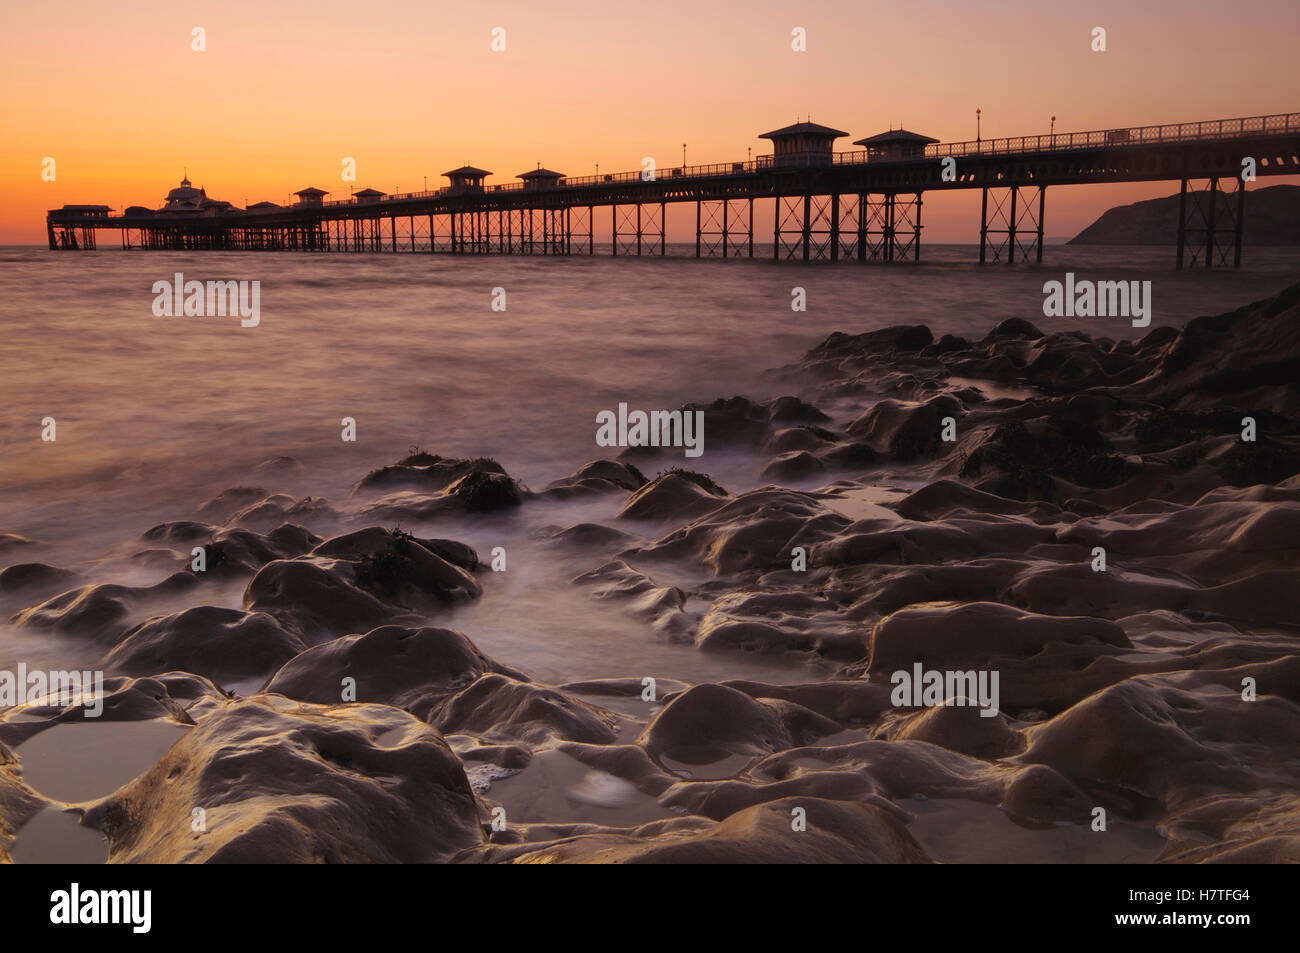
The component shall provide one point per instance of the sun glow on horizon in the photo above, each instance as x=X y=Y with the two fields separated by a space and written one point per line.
x=280 y=96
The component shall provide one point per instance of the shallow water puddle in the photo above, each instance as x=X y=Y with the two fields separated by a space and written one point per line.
x=995 y=390
x=556 y=788
x=958 y=831
x=85 y=761
x=727 y=767
x=391 y=738
x=864 y=503
x=56 y=836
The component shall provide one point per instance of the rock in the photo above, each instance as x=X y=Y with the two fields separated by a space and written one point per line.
x=33 y=581
x=218 y=643
x=596 y=477
x=837 y=832
x=709 y=722
x=393 y=665
x=99 y=612
x=497 y=707
x=283 y=782
x=796 y=465
x=674 y=495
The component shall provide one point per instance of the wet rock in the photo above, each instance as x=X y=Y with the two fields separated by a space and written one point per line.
x=906 y=431
x=1258 y=344
x=795 y=465
x=905 y=338
x=1014 y=328
x=709 y=722
x=1172 y=744
x=392 y=665
x=219 y=643
x=498 y=707
x=752 y=532
x=963 y=728
x=1021 y=463
x=179 y=531
x=357 y=582
x=99 y=612
x=265 y=515
x=597 y=477
x=800 y=438
x=838 y=832
x=18 y=802
x=676 y=495
x=284 y=782
x=440 y=488
x=662 y=606
x=237 y=553
x=792 y=408
x=984 y=634
x=32 y=581
x=229 y=502
x=594 y=536
x=733 y=422
x=426 y=471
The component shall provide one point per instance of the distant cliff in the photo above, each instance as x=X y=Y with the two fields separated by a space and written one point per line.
x=1272 y=218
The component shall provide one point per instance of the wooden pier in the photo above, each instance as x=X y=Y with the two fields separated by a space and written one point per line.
x=860 y=205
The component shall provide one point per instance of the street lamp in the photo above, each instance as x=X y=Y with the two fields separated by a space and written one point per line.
x=977 y=129
x=1053 y=132
x=683 y=155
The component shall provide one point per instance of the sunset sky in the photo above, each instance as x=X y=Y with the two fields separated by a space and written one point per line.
x=115 y=94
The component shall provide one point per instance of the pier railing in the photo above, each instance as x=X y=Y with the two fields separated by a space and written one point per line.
x=1277 y=124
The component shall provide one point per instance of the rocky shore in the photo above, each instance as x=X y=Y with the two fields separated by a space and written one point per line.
x=1111 y=526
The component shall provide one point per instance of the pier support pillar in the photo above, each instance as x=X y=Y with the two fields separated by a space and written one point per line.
x=801 y=228
x=807 y=225
x=1239 y=224
x=737 y=236
x=1042 y=211
x=1210 y=224
x=835 y=228
x=984 y=222
x=711 y=228
x=1011 y=226
x=751 y=228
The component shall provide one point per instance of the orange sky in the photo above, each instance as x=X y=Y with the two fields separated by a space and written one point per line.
x=115 y=94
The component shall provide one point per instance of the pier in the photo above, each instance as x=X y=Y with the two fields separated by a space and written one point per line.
x=863 y=205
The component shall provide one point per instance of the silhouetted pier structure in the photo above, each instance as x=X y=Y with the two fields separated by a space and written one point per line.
x=862 y=205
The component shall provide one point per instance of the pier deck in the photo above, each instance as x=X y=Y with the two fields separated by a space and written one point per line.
x=853 y=205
